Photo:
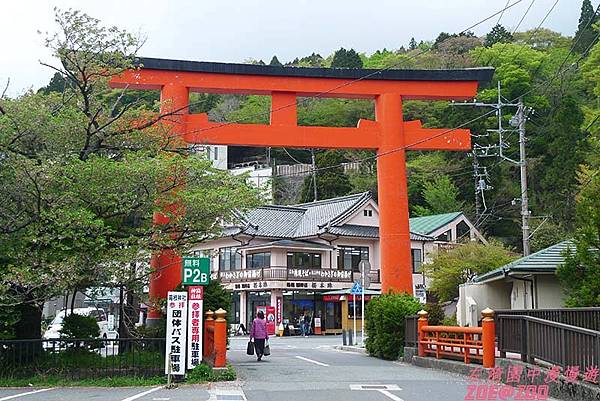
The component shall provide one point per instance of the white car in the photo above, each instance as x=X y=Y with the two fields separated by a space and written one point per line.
x=106 y=329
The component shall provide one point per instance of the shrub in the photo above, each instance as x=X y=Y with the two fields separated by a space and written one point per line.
x=204 y=373
x=436 y=313
x=77 y=326
x=385 y=324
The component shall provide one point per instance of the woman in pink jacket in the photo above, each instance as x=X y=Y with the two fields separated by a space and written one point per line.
x=258 y=333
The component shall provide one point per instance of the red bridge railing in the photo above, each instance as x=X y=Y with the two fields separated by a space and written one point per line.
x=466 y=343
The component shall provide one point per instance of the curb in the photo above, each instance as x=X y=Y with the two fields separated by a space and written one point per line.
x=351 y=348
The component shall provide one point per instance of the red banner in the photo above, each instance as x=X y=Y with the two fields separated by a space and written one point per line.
x=270 y=316
x=279 y=311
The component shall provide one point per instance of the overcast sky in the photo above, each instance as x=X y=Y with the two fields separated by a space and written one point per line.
x=234 y=31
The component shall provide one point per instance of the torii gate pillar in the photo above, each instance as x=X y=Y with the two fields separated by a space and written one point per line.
x=394 y=230
x=390 y=136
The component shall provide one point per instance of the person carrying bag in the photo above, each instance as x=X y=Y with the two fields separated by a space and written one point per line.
x=258 y=333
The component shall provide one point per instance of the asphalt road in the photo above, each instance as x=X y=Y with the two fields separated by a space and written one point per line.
x=299 y=369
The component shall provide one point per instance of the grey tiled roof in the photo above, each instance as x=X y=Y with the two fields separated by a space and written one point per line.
x=287 y=243
x=544 y=261
x=310 y=219
x=351 y=230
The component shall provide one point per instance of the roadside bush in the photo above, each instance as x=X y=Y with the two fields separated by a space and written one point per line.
x=77 y=326
x=204 y=373
x=385 y=324
x=436 y=313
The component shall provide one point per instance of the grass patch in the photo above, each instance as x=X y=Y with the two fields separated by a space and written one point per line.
x=200 y=374
x=58 y=381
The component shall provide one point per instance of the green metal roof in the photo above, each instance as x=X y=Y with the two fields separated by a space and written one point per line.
x=428 y=224
x=544 y=261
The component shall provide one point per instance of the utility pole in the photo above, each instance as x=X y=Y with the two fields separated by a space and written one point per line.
x=314 y=174
x=476 y=177
x=523 y=167
x=518 y=121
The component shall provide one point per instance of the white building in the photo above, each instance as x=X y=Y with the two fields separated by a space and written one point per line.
x=527 y=283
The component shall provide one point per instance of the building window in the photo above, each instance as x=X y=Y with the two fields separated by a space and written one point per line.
x=350 y=256
x=446 y=236
x=368 y=213
x=463 y=231
x=416 y=260
x=258 y=260
x=229 y=259
x=304 y=259
x=216 y=150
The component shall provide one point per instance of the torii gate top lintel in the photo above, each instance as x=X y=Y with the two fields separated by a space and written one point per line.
x=209 y=77
x=389 y=134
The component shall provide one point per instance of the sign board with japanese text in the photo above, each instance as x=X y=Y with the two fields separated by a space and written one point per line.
x=195 y=326
x=177 y=303
x=196 y=271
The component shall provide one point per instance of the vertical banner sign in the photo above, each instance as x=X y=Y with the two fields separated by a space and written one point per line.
x=195 y=331
x=176 y=332
x=279 y=311
x=270 y=316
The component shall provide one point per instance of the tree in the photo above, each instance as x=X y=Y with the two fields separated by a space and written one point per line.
x=562 y=147
x=450 y=268
x=585 y=35
x=343 y=58
x=82 y=174
x=412 y=45
x=498 y=34
x=441 y=196
x=580 y=274
x=275 y=62
x=331 y=180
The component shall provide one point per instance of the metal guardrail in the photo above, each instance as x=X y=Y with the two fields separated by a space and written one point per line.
x=588 y=318
x=82 y=358
x=553 y=342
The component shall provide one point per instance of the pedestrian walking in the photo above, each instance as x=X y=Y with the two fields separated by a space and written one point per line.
x=258 y=333
x=306 y=324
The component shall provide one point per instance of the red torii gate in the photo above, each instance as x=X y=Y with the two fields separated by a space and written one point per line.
x=389 y=134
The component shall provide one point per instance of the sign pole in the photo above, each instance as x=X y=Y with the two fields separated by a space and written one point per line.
x=362 y=301
x=354 y=306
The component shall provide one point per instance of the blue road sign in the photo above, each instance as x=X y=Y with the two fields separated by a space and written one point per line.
x=356 y=288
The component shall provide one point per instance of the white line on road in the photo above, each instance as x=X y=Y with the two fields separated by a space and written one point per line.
x=310 y=360
x=140 y=395
x=27 y=393
x=390 y=395
x=380 y=388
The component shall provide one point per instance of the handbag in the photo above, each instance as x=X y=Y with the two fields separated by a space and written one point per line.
x=250 y=348
x=267 y=351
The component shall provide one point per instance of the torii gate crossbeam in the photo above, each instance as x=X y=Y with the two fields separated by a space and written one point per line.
x=389 y=134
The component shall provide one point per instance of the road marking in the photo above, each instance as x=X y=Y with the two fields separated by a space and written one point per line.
x=311 y=361
x=10 y=397
x=161 y=399
x=140 y=395
x=226 y=395
x=380 y=388
x=390 y=395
